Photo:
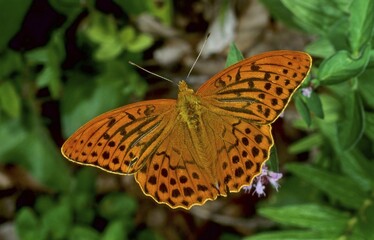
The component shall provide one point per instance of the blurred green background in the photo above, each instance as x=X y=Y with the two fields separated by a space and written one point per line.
x=64 y=62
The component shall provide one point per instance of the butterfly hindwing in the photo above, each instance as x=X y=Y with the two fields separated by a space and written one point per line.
x=172 y=175
x=242 y=150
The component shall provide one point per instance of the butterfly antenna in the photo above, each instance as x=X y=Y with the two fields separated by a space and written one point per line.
x=154 y=74
x=198 y=56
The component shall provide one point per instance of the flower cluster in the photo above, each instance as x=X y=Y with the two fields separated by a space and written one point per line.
x=307 y=91
x=263 y=179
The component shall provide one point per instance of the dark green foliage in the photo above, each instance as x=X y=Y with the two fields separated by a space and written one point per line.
x=329 y=195
x=80 y=71
x=337 y=182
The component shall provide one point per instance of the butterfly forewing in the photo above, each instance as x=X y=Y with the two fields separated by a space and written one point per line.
x=258 y=88
x=120 y=141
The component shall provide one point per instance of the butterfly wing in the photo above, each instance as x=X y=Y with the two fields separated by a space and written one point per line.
x=120 y=141
x=258 y=88
x=172 y=176
x=242 y=148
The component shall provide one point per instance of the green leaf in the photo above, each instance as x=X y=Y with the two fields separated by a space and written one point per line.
x=163 y=11
x=51 y=58
x=37 y=55
x=306 y=144
x=293 y=235
x=371 y=61
x=44 y=203
x=335 y=186
x=117 y=205
x=148 y=234
x=49 y=168
x=329 y=131
x=342 y=66
x=366 y=87
x=321 y=48
x=101 y=28
x=229 y=236
x=27 y=225
x=50 y=77
x=313 y=16
x=115 y=231
x=58 y=221
x=280 y=12
x=314 y=104
x=337 y=34
x=79 y=232
x=70 y=8
x=56 y=49
x=361 y=23
x=303 y=110
x=83 y=205
x=85 y=181
x=127 y=35
x=109 y=49
x=10 y=101
x=86 y=96
x=141 y=43
x=288 y=193
x=233 y=56
x=83 y=195
x=358 y=168
x=351 y=126
x=369 y=125
x=12 y=135
x=12 y=14
x=273 y=161
x=331 y=106
x=134 y=7
x=10 y=62
x=310 y=216
x=365 y=222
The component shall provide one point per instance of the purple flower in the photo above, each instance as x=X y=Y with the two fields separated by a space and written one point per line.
x=307 y=91
x=263 y=179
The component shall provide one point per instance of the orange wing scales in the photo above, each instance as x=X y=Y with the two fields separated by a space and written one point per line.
x=172 y=176
x=243 y=153
x=205 y=144
x=121 y=140
x=258 y=88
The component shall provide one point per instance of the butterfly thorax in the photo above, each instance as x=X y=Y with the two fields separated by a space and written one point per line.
x=190 y=112
x=189 y=106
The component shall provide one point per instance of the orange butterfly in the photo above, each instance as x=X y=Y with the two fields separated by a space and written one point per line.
x=204 y=144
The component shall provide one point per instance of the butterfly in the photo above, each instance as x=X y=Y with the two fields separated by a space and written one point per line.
x=202 y=145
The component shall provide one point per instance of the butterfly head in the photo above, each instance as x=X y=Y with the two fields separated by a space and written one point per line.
x=184 y=89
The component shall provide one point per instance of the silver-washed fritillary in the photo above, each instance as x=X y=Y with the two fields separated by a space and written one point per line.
x=204 y=144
